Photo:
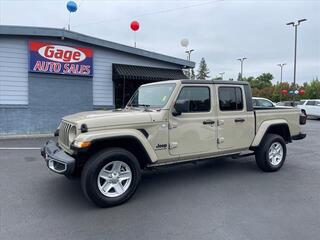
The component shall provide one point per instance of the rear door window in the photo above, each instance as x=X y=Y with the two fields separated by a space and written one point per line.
x=230 y=98
x=311 y=103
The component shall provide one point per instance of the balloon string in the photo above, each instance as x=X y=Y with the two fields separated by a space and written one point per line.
x=69 y=21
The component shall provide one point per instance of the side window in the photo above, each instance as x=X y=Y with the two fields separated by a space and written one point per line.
x=195 y=99
x=230 y=98
x=254 y=102
x=311 y=103
x=265 y=103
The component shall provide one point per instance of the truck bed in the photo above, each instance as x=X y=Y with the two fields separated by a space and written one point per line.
x=289 y=114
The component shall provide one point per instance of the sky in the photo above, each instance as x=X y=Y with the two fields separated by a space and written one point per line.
x=221 y=31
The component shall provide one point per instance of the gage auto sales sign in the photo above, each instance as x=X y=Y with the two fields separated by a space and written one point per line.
x=59 y=59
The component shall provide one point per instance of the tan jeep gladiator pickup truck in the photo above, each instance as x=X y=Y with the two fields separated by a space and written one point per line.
x=168 y=123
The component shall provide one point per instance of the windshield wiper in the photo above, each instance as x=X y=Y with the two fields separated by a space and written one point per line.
x=139 y=105
x=146 y=106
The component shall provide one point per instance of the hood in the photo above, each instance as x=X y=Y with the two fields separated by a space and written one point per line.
x=101 y=118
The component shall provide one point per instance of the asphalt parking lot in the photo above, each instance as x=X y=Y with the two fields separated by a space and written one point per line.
x=217 y=199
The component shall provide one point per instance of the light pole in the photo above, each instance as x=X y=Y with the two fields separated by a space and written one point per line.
x=188 y=52
x=295 y=25
x=281 y=67
x=241 y=60
x=185 y=43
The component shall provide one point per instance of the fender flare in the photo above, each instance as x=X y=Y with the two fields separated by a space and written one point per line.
x=119 y=133
x=263 y=129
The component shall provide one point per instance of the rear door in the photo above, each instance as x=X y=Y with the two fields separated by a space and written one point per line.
x=236 y=122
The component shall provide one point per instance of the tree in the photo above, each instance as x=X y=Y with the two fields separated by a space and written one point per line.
x=262 y=81
x=263 y=87
x=239 y=77
x=203 y=70
x=312 y=89
x=248 y=79
x=189 y=73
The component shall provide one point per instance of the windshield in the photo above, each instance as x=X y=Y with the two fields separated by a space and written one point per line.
x=152 y=95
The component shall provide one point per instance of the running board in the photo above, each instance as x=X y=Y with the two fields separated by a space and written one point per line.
x=234 y=156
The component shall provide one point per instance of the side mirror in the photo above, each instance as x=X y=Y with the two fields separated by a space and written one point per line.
x=180 y=107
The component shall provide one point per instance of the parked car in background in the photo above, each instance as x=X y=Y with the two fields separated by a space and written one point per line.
x=259 y=102
x=262 y=102
x=289 y=103
x=310 y=107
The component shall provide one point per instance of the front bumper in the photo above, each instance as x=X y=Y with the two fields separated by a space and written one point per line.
x=57 y=160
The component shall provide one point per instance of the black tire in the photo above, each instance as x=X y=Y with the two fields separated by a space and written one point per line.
x=90 y=172
x=262 y=153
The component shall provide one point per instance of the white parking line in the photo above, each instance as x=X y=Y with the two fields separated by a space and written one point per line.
x=20 y=148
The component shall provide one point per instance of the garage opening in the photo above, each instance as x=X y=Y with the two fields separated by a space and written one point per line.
x=128 y=78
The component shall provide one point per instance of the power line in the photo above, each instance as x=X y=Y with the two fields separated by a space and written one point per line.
x=153 y=13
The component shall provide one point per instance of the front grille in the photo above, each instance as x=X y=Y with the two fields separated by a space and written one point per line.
x=64 y=133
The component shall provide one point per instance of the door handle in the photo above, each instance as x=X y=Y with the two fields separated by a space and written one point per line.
x=208 y=122
x=239 y=120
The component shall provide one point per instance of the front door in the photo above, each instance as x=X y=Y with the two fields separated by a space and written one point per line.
x=194 y=131
x=235 y=122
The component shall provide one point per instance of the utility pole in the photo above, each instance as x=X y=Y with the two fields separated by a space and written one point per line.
x=241 y=72
x=281 y=67
x=295 y=25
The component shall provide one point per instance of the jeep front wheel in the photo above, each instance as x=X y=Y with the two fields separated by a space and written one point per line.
x=110 y=177
x=271 y=154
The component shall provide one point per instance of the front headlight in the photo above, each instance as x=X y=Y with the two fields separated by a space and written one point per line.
x=72 y=133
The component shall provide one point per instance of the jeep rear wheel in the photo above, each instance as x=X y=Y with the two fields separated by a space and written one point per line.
x=271 y=154
x=110 y=177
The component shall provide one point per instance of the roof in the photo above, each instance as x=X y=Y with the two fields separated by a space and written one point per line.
x=62 y=33
x=186 y=81
x=131 y=72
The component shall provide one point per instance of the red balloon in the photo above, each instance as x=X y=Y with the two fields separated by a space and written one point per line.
x=284 y=91
x=134 y=26
x=301 y=91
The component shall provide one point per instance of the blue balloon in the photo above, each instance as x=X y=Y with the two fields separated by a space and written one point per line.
x=72 y=6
